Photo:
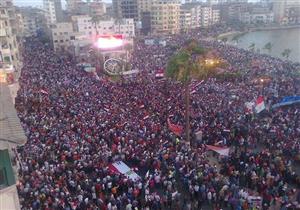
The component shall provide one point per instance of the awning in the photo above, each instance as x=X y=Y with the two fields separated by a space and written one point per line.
x=11 y=131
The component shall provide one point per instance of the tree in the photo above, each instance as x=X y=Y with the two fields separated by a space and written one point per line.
x=286 y=53
x=224 y=39
x=182 y=68
x=252 y=47
x=95 y=20
x=236 y=38
x=268 y=47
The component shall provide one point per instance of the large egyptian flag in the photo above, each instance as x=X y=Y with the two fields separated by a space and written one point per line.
x=221 y=150
x=260 y=104
x=177 y=129
x=122 y=168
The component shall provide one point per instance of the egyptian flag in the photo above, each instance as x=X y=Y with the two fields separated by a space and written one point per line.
x=221 y=150
x=193 y=87
x=260 y=104
x=159 y=73
x=44 y=92
x=177 y=129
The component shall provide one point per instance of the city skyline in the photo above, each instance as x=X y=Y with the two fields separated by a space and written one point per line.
x=40 y=2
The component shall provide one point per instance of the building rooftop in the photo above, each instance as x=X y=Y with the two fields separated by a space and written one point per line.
x=11 y=131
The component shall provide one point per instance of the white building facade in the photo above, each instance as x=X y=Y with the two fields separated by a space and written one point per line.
x=202 y=15
x=53 y=11
x=62 y=35
x=85 y=25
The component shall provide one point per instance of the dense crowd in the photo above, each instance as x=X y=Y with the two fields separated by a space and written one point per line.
x=77 y=126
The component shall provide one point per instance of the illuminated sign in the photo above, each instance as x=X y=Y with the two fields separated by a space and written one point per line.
x=109 y=41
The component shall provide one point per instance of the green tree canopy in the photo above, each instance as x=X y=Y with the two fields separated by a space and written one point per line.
x=286 y=53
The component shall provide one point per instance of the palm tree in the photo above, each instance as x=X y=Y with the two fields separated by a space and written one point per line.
x=224 y=39
x=268 y=47
x=236 y=39
x=286 y=53
x=252 y=47
x=182 y=68
x=95 y=20
x=127 y=49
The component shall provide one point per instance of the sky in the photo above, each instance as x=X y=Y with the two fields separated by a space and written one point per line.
x=37 y=2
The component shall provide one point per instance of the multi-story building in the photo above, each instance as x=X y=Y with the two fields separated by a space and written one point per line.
x=185 y=20
x=11 y=136
x=62 y=35
x=144 y=15
x=73 y=5
x=9 y=49
x=215 y=15
x=202 y=15
x=232 y=11
x=31 y=21
x=257 y=15
x=97 y=8
x=53 y=11
x=125 y=9
x=165 y=16
x=89 y=27
x=206 y=15
x=287 y=11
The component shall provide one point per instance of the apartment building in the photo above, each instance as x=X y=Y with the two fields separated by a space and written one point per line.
x=9 y=50
x=144 y=15
x=165 y=16
x=185 y=20
x=11 y=136
x=258 y=15
x=62 y=35
x=53 y=11
x=125 y=9
x=286 y=11
x=89 y=27
x=31 y=21
x=202 y=15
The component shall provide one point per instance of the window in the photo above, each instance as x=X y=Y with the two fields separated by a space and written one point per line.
x=55 y=41
x=61 y=41
x=3 y=179
x=7 y=59
x=72 y=37
x=66 y=33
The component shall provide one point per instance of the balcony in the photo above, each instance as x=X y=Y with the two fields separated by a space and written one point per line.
x=3 y=32
x=6 y=68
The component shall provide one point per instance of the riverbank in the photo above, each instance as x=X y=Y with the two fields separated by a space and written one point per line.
x=267 y=28
x=229 y=34
x=235 y=34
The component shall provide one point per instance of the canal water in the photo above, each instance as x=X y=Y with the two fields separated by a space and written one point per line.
x=280 y=39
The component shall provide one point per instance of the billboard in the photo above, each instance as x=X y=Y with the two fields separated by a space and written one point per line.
x=110 y=42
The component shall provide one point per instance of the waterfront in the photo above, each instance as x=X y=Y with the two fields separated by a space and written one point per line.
x=280 y=40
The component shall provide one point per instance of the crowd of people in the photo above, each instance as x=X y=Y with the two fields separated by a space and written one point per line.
x=77 y=126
